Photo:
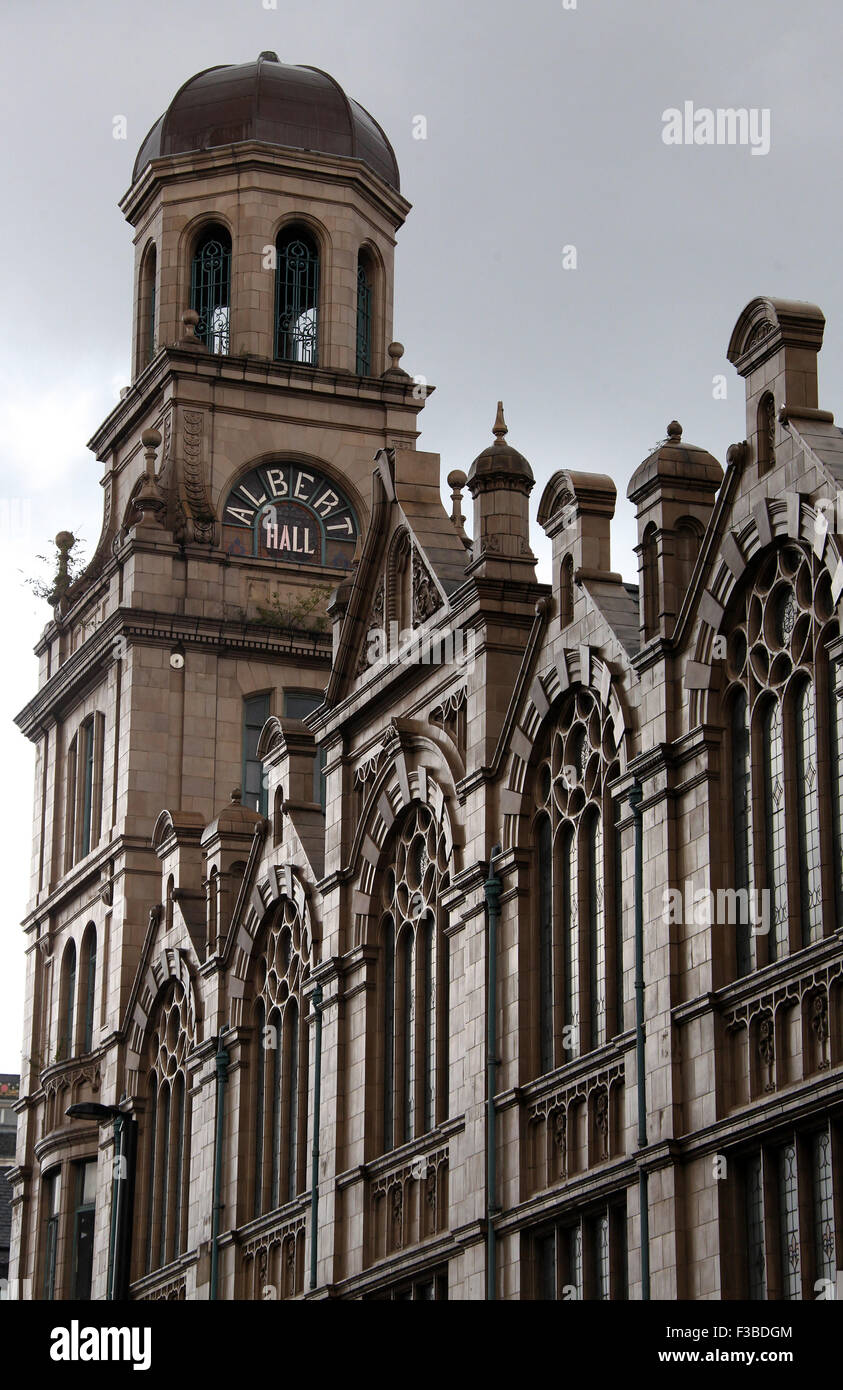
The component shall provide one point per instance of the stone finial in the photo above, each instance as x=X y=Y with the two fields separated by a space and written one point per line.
x=236 y=796
x=456 y=482
x=500 y=429
x=396 y=352
x=65 y=541
x=149 y=498
x=269 y=56
x=151 y=441
x=674 y=431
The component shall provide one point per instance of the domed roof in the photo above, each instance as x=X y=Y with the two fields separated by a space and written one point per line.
x=499 y=458
x=300 y=108
x=673 y=460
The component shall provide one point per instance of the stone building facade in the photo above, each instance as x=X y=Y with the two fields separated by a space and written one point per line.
x=404 y=951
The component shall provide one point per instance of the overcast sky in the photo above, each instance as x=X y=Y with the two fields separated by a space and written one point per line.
x=544 y=131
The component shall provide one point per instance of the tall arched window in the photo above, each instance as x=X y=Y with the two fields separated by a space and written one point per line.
x=166 y=1130
x=650 y=583
x=87 y=997
x=810 y=882
x=67 y=1002
x=210 y=288
x=566 y=592
x=593 y=836
x=297 y=297
x=780 y=684
x=146 y=307
x=413 y=994
x=742 y=831
x=686 y=548
x=544 y=843
x=766 y=432
x=578 y=941
x=772 y=750
x=365 y=282
x=280 y=1101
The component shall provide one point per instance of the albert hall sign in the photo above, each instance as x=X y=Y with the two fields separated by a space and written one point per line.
x=290 y=512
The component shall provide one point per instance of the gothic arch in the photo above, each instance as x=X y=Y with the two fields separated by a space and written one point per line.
x=170 y=965
x=394 y=790
x=276 y=884
x=773 y=521
x=575 y=666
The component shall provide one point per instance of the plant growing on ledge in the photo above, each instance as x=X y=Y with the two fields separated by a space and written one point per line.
x=295 y=615
x=67 y=571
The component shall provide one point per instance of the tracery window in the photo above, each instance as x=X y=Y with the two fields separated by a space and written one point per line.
x=414 y=981
x=579 y=947
x=280 y=1096
x=785 y=727
x=210 y=288
x=297 y=297
x=166 y=1159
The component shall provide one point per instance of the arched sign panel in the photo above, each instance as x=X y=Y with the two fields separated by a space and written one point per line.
x=290 y=512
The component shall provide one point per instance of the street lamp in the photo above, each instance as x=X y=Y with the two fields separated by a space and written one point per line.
x=122 y=1197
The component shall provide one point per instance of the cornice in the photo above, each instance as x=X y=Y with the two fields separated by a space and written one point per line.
x=159 y=629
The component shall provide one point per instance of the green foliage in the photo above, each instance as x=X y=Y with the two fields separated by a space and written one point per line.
x=297 y=614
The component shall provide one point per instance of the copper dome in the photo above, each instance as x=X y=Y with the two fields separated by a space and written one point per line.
x=299 y=108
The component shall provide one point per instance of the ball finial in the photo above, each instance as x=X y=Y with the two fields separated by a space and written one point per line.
x=674 y=430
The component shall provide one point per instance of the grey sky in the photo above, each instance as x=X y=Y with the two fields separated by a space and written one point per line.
x=544 y=130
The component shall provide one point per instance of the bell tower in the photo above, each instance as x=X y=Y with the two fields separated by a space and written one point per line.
x=236 y=471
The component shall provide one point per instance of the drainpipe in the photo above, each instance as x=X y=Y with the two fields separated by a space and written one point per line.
x=635 y=798
x=492 y=888
x=116 y=1204
x=314 y=1171
x=222 y=1061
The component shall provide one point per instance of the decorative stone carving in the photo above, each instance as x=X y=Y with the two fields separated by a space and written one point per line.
x=426 y=597
x=767 y=1050
x=819 y=1026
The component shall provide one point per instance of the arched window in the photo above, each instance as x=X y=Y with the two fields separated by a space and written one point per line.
x=296 y=297
x=67 y=1004
x=146 y=307
x=579 y=1003
x=87 y=998
x=166 y=1131
x=414 y=999
x=835 y=721
x=566 y=592
x=210 y=288
x=593 y=836
x=213 y=911
x=650 y=583
x=742 y=831
x=686 y=548
x=766 y=432
x=810 y=883
x=280 y=1102
x=772 y=752
x=783 y=707
x=545 y=870
x=365 y=282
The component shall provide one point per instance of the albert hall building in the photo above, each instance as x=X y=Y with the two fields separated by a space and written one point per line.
x=401 y=926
